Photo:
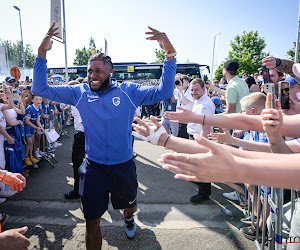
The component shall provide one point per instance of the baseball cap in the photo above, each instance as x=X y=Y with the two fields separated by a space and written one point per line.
x=290 y=80
x=216 y=100
x=7 y=79
x=231 y=65
x=296 y=69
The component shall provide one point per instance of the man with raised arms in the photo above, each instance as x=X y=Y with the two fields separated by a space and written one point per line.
x=107 y=109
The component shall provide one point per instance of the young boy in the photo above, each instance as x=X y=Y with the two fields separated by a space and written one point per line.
x=32 y=124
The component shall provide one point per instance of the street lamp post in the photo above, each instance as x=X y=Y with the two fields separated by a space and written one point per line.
x=18 y=9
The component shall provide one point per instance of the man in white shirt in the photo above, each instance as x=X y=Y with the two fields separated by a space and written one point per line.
x=78 y=149
x=184 y=100
x=203 y=105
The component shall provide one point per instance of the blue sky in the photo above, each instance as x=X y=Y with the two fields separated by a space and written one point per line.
x=190 y=25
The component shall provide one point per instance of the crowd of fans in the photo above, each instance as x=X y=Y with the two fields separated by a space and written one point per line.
x=24 y=118
x=197 y=107
x=204 y=108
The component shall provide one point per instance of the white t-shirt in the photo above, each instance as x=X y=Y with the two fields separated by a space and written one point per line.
x=77 y=119
x=203 y=106
x=2 y=119
x=12 y=114
x=187 y=94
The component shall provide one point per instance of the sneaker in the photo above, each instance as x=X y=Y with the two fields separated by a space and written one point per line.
x=33 y=160
x=231 y=196
x=72 y=195
x=2 y=200
x=3 y=217
x=250 y=233
x=248 y=220
x=27 y=161
x=197 y=199
x=34 y=165
x=6 y=192
x=51 y=149
x=57 y=144
x=37 y=154
x=130 y=226
x=42 y=153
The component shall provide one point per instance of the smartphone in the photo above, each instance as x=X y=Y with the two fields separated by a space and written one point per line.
x=270 y=88
x=205 y=78
x=266 y=74
x=15 y=93
x=284 y=94
x=28 y=87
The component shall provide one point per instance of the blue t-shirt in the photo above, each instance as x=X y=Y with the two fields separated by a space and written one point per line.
x=33 y=113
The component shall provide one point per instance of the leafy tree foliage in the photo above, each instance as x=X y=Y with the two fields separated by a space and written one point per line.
x=291 y=53
x=15 y=54
x=160 y=55
x=82 y=55
x=247 y=50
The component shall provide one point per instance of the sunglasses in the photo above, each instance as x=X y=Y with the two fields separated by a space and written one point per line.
x=286 y=90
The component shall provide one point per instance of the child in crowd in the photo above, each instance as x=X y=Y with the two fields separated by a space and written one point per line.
x=5 y=191
x=32 y=124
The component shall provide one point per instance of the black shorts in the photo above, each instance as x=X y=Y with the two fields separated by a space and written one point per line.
x=98 y=180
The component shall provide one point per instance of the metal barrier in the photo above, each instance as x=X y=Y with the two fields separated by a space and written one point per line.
x=272 y=236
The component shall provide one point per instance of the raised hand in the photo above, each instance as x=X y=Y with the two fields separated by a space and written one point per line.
x=162 y=39
x=269 y=62
x=47 y=42
x=272 y=120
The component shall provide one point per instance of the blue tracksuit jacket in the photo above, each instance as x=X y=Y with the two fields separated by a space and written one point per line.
x=106 y=115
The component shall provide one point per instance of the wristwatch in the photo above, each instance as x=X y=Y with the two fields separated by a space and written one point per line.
x=2 y=174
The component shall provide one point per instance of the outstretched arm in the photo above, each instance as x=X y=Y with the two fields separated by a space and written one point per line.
x=150 y=95
x=40 y=85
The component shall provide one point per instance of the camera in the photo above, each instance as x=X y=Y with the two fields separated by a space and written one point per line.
x=28 y=88
x=177 y=82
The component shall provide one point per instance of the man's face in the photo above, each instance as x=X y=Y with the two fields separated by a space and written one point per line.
x=37 y=101
x=185 y=83
x=98 y=74
x=11 y=83
x=197 y=91
x=274 y=76
x=293 y=91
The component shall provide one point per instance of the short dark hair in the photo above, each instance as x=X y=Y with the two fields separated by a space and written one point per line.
x=199 y=81
x=101 y=57
x=185 y=77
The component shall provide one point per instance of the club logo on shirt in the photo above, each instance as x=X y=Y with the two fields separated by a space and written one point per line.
x=116 y=101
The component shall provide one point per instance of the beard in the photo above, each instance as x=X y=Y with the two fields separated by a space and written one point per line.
x=105 y=85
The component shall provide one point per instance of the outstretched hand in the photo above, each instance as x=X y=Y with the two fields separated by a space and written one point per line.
x=47 y=42
x=216 y=165
x=162 y=39
x=15 y=180
x=148 y=133
x=186 y=116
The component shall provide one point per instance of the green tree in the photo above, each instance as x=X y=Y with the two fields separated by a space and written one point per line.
x=291 y=53
x=160 y=55
x=82 y=55
x=247 y=50
x=219 y=72
x=15 y=54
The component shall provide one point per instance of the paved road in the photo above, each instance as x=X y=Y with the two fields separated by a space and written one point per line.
x=165 y=220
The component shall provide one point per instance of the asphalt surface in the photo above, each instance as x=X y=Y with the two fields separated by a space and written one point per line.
x=165 y=220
